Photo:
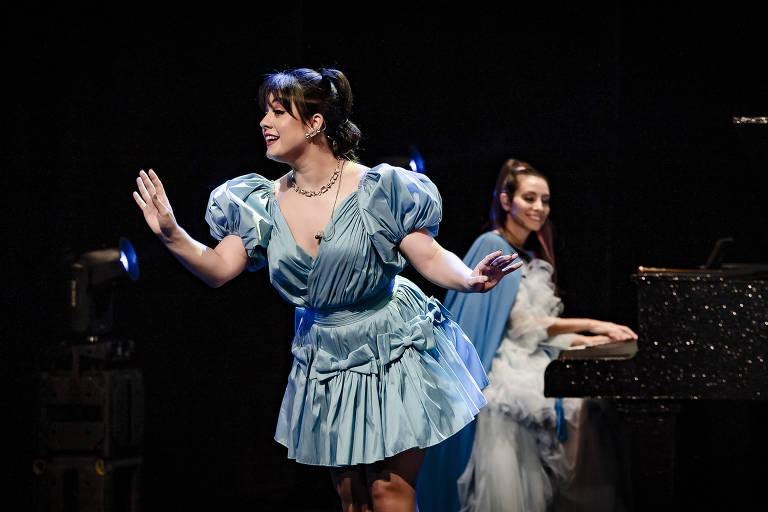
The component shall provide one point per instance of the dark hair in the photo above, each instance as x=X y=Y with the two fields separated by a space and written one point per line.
x=541 y=241
x=326 y=92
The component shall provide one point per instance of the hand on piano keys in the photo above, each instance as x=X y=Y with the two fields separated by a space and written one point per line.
x=613 y=331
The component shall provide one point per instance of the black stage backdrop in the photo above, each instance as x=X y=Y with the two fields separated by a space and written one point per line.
x=627 y=110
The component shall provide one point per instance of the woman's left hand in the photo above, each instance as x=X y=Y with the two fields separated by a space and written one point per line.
x=491 y=269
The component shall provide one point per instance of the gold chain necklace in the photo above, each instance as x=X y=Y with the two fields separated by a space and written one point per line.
x=323 y=189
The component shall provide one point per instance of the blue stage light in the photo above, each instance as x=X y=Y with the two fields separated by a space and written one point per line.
x=417 y=162
x=129 y=259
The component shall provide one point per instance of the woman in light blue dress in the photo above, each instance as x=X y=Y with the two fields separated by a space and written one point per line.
x=380 y=370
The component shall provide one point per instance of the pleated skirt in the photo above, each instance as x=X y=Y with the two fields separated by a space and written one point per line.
x=378 y=378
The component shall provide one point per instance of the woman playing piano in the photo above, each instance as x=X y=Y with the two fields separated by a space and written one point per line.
x=523 y=444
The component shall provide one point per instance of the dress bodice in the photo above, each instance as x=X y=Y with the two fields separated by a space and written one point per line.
x=357 y=262
x=535 y=309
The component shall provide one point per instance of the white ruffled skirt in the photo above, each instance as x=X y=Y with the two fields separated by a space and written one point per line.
x=517 y=459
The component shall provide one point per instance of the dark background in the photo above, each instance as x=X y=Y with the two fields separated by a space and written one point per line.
x=627 y=110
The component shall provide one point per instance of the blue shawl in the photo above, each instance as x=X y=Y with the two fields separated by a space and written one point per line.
x=483 y=317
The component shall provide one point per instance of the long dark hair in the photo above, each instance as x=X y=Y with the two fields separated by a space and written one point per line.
x=326 y=92
x=539 y=242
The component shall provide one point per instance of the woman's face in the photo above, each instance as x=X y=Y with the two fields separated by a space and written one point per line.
x=529 y=207
x=283 y=133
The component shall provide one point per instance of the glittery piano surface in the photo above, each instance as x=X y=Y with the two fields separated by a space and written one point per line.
x=702 y=335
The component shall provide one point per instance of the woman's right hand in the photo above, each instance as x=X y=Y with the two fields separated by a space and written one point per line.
x=615 y=332
x=154 y=204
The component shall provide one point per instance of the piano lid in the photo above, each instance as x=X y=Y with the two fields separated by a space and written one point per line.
x=757 y=271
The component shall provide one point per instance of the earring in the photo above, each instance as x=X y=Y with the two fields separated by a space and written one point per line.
x=312 y=133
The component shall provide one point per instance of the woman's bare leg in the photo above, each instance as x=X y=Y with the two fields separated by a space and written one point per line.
x=351 y=485
x=392 y=482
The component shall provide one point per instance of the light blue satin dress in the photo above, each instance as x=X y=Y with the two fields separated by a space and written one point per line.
x=379 y=367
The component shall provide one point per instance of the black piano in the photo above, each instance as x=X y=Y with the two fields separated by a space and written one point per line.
x=691 y=392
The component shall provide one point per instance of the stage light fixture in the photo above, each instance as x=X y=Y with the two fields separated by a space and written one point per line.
x=94 y=277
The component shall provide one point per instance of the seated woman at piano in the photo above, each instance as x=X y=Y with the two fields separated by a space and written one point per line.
x=522 y=450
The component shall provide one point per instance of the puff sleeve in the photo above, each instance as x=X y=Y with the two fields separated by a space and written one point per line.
x=395 y=202
x=241 y=207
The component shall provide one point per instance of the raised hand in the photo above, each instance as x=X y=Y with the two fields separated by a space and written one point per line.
x=491 y=270
x=154 y=204
x=613 y=331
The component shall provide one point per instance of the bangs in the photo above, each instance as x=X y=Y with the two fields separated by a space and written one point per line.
x=284 y=89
